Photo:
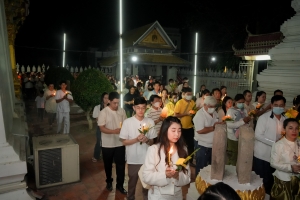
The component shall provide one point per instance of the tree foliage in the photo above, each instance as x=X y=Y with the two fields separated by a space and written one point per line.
x=56 y=74
x=88 y=88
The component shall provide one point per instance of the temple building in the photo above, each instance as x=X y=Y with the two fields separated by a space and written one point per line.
x=147 y=50
x=256 y=52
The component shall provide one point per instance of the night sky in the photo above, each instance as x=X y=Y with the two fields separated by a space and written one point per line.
x=95 y=24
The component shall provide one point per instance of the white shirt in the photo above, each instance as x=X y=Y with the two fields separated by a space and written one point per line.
x=154 y=115
x=155 y=174
x=200 y=102
x=111 y=119
x=50 y=105
x=265 y=135
x=40 y=102
x=63 y=106
x=136 y=152
x=237 y=115
x=96 y=111
x=201 y=120
x=282 y=158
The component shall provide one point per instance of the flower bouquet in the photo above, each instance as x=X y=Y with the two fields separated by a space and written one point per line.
x=193 y=111
x=182 y=162
x=259 y=106
x=227 y=118
x=145 y=129
x=291 y=113
x=252 y=113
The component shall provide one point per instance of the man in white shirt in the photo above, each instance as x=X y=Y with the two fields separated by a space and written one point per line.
x=63 y=99
x=268 y=130
x=50 y=106
x=205 y=121
x=110 y=120
x=137 y=143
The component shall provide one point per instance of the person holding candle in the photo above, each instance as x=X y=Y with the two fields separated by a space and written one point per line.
x=205 y=121
x=50 y=105
x=131 y=138
x=223 y=90
x=161 y=173
x=200 y=101
x=63 y=99
x=181 y=111
x=260 y=103
x=268 y=131
x=285 y=159
x=103 y=103
x=164 y=97
x=240 y=117
x=226 y=104
x=154 y=112
x=112 y=148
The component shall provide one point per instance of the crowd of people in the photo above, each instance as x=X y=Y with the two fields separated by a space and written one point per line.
x=158 y=119
x=186 y=123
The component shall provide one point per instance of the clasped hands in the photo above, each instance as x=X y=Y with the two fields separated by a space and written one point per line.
x=142 y=138
x=171 y=173
x=296 y=168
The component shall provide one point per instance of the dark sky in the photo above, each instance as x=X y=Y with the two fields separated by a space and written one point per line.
x=94 y=23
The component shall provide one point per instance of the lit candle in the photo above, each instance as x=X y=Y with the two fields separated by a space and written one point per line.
x=143 y=127
x=170 y=153
x=120 y=124
x=164 y=112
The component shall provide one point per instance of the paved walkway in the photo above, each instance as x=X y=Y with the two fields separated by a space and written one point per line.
x=92 y=175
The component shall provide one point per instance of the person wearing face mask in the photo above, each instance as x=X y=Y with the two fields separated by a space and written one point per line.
x=182 y=108
x=268 y=130
x=205 y=121
x=240 y=117
x=154 y=112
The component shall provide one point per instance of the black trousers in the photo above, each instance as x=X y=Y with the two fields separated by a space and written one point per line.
x=116 y=154
x=188 y=136
x=265 y=171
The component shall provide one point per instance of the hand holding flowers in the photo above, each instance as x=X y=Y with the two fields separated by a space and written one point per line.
x=144 y=130
x=227 y=118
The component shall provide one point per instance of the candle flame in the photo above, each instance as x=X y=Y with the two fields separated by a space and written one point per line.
x=171 y=150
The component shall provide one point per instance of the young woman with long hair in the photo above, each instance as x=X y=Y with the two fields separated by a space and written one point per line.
x=165 y=180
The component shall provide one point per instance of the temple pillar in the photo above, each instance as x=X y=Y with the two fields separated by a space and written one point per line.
x=283 y=73
x=13 y=128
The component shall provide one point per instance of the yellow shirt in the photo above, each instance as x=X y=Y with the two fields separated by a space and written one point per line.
x=180 y=107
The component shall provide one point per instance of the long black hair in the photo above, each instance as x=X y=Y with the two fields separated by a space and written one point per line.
x=219 y=191
x=101 y=100
x=163 y=140
x=258 y=94
x=224 y=103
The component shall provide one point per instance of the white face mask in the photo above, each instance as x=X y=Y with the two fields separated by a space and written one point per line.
x=157 y=104
x=210 y=110
x=188 y=97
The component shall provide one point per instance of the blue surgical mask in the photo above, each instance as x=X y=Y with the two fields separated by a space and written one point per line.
x=278 y=110
x=240 y=105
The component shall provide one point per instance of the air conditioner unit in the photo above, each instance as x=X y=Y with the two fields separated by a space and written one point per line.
x=56 y=160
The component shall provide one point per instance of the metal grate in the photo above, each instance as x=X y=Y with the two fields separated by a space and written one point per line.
x=50 y=166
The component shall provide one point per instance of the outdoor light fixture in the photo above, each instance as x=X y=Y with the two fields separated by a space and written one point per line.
x=134 y=58
x=64 y=56
x=195 y=64
x=263 y=57
x=121 y=54
x=213 y=59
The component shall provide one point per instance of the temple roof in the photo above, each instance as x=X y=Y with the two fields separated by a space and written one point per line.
x=259 y=44
x=151 y=36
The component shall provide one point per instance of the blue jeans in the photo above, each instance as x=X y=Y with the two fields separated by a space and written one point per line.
x=203 y=157
x=97 y=149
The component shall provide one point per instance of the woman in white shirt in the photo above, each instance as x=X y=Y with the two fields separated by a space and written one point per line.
x=166 y=182
x=284 y=158
x=96 y=111
x=260 y=99
x=226 y=104
x=240 y=117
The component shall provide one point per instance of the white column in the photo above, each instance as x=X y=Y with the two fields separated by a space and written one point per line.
x=12 y=168
x=284 y=71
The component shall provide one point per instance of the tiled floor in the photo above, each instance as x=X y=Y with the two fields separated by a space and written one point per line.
x=92 y=175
